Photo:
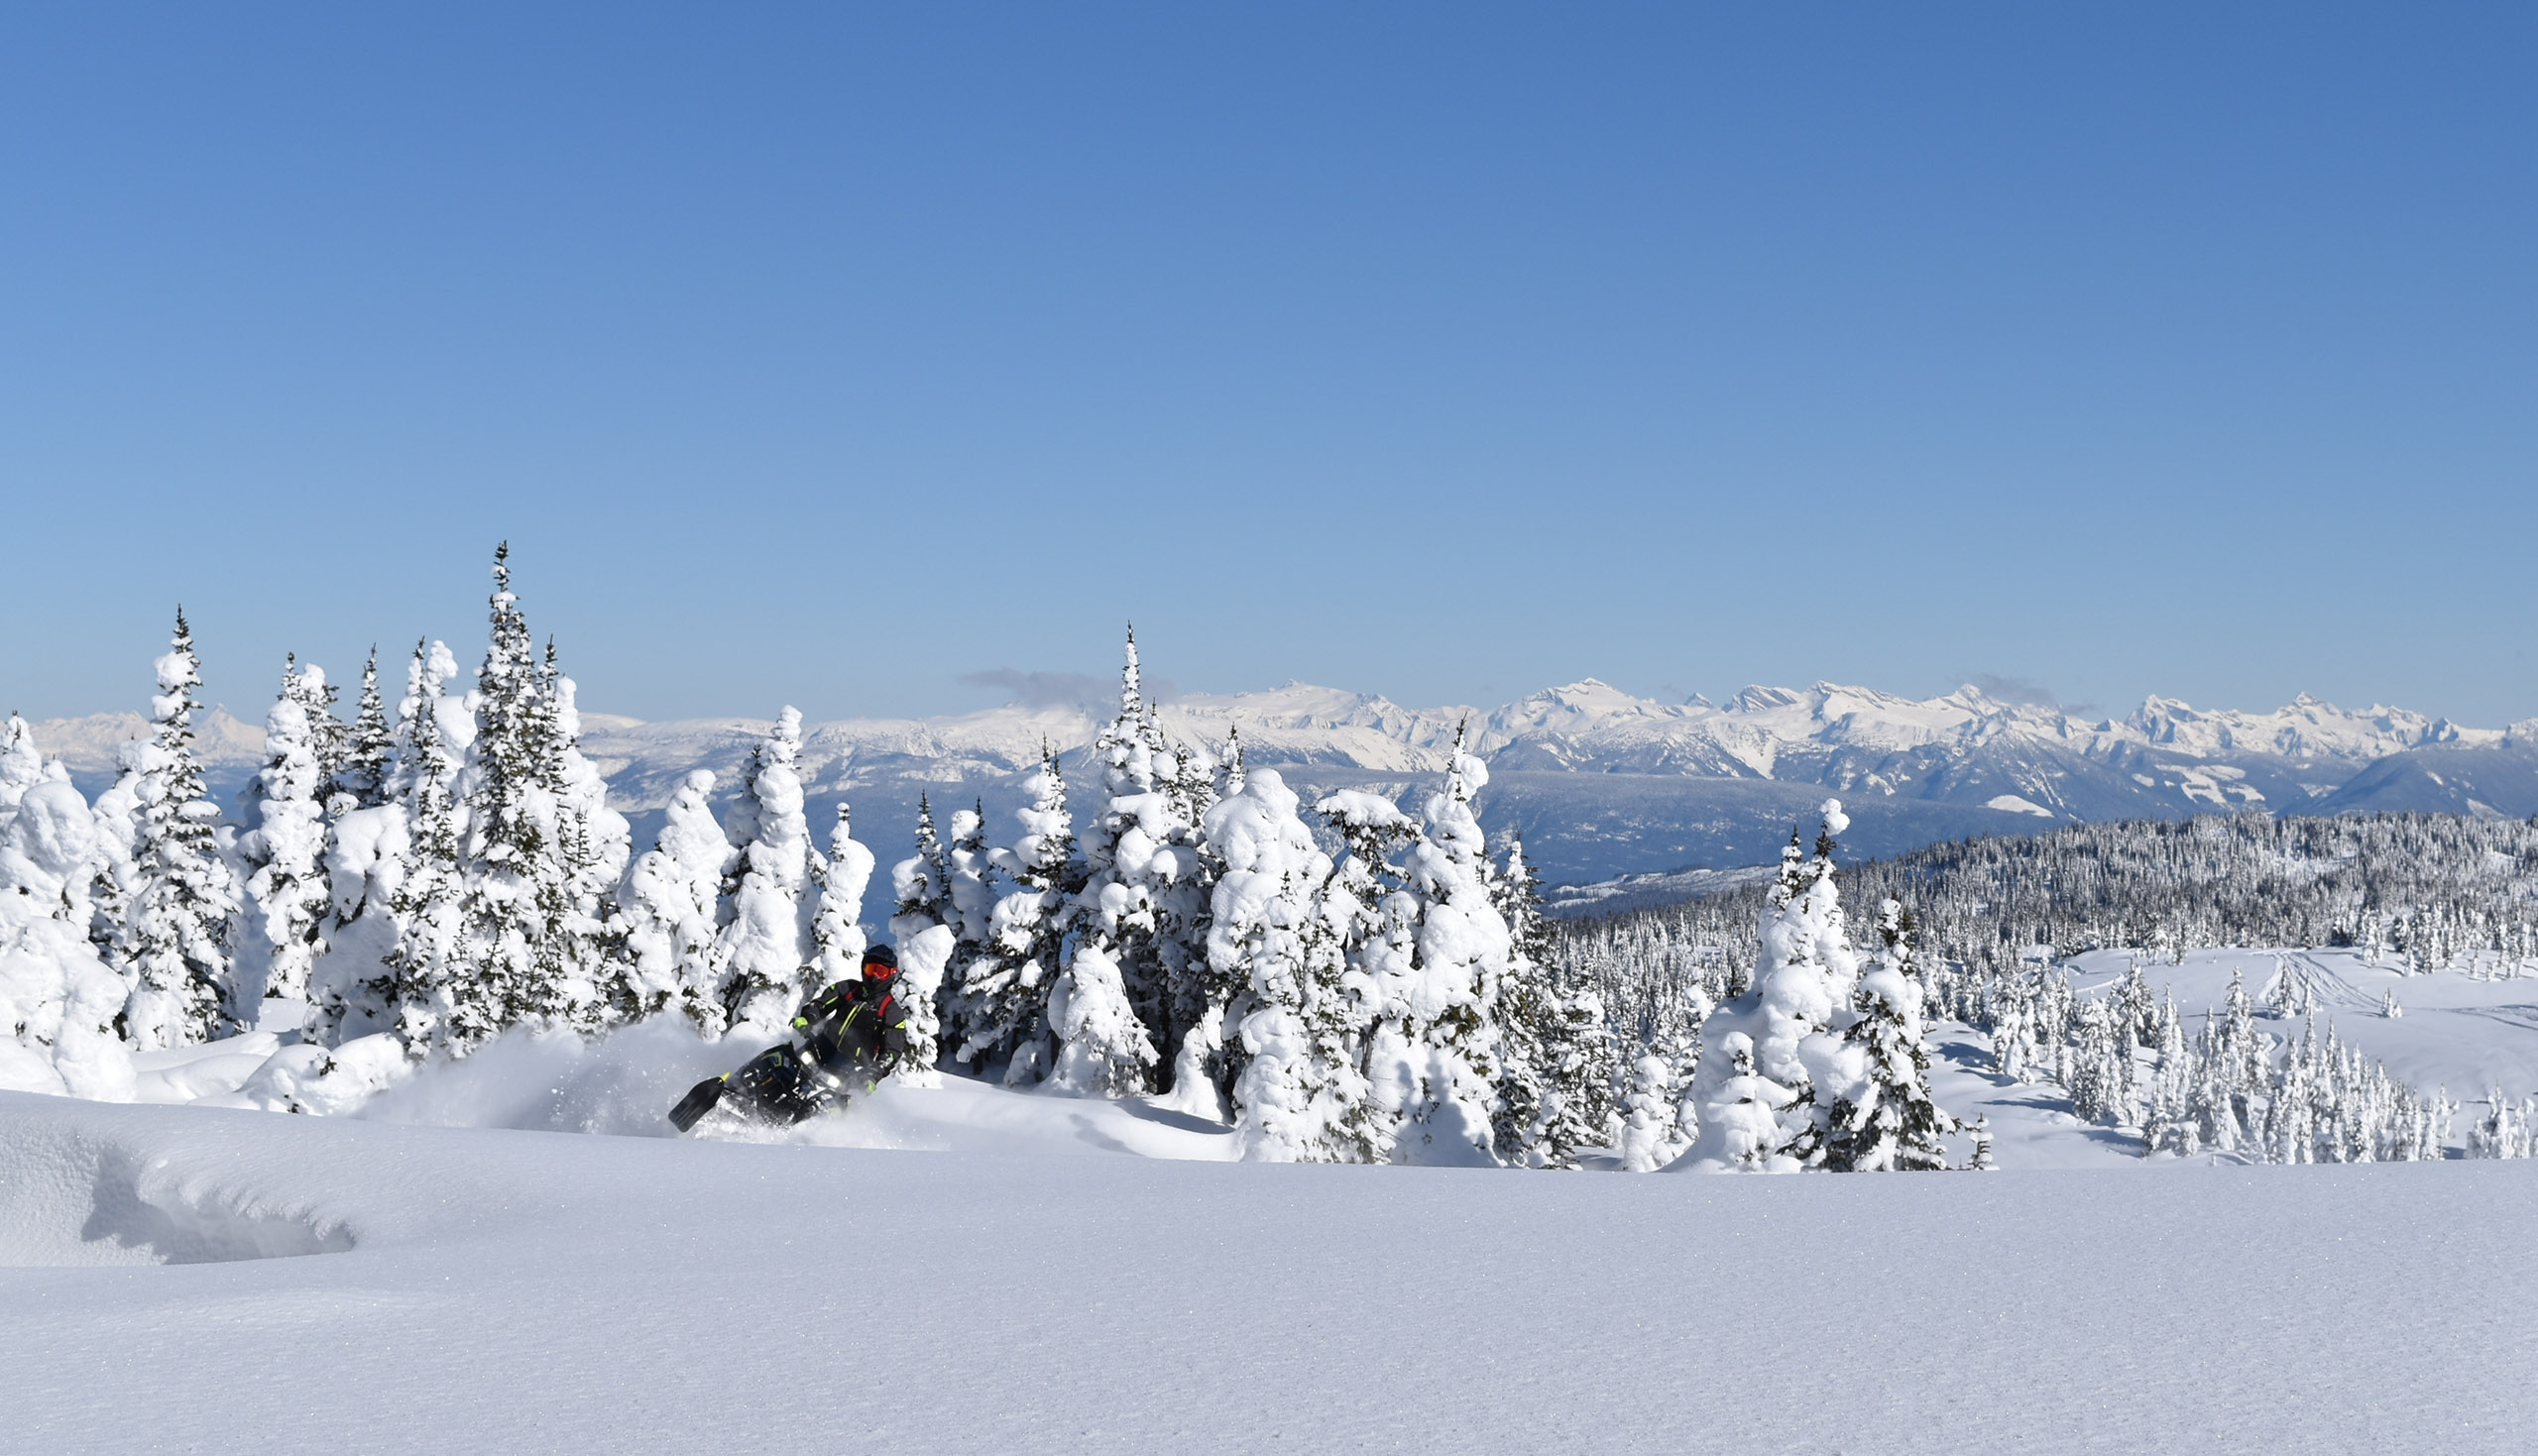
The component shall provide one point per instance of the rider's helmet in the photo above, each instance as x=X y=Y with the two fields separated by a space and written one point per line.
x=880 y=963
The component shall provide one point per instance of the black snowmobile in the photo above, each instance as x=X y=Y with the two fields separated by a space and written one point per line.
x=780 y=1085
x=845 y=1041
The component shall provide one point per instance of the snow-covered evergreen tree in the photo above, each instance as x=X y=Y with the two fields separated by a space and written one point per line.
x=59 y=1001
x=838 y=936
x=369 y=747
x=1650 y=1139
x=1429 y=950
x=1101 y=1046
x=1142 y=907
x=1451 y=1027
x=356 y=986
x=1010 y=1004
x=21 y=765
x=184 y=900
x=420 y=978
x=517 y=932
x=305 y=684
x=1553 y=1060
x=925 y=940
x=593 y=841
x=972 y=980
x=285 y=852
x=1764 y=1051
x=772 y=886
x=669 y=913
x=516 y=958
x=1302 y=1095
x=1374 y=917
x=1882 y=1116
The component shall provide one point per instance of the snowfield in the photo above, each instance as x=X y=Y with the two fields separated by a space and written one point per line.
x=494 y=1289
x=970 y=1269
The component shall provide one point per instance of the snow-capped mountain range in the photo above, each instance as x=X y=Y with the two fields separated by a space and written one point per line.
x=1603 y=782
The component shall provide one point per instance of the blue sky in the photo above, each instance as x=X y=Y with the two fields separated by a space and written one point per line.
x=831 y=355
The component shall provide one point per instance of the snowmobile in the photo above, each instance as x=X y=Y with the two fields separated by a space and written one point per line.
x=779 y=1086
x=853 y=1029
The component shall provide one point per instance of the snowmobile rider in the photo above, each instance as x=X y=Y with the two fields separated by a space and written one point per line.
x=858 y=1030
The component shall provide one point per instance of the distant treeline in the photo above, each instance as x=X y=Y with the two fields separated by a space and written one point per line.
x=2429 y=887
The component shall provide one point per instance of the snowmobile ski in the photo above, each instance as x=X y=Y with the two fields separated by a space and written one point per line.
x=700 y=1099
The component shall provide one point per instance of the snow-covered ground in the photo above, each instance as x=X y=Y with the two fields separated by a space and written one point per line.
x=492 y=1290
x=965 y=1269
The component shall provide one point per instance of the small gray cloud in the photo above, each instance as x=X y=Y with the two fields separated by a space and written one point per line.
x=2022 y=690
x=1094 y=695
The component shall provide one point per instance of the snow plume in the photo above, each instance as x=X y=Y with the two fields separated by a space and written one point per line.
x=1764 y=1052
x=769 y=937
x=1301 y=1091
x=175 y=935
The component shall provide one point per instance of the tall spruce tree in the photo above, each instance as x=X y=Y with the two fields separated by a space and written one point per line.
x=1883 y=1118
x=925 y=940
x=837 y=937
x=184 y=903
x=773 y=886
x=1028 y=934
x=306 y=684
x=394 y=867
x=595 y=843
x=1761 y=1051
x=531 y=848
x=1300 y=1094
x=1373 y=915
x=1555 y=1066
x=368 y=745
x=669 y=917
x=1142 y=908
x=1447 y=1020
x=975 y=975
x=1650 y=1138
x=285 y=852
x=513 y=958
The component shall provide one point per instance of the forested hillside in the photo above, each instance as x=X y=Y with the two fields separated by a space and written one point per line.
x=2429 y=887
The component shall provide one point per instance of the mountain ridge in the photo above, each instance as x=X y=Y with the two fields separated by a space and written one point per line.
x=1603 y=782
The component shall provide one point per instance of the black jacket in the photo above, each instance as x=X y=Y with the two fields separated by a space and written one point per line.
x=855 y=1029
